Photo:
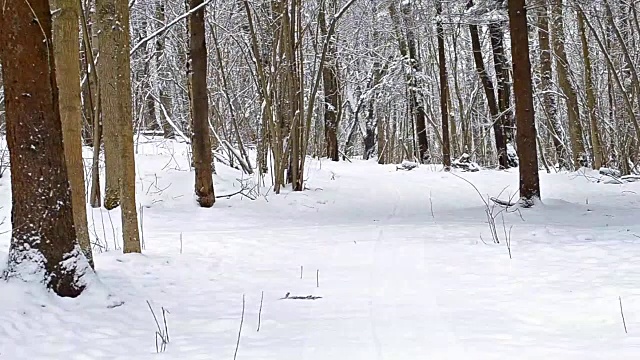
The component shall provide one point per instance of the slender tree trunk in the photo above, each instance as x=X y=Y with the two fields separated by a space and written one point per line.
x=110 y=39
x=564 y=80
x=408 y=49
x=94 y=100
x=127 y=180
x=43 y=246
x=487 y=85
x=163 y=72
x=501 y=65
x=332 y=97
x=523 y=91
x=591 y=96
x=201 y=144
x=444 y=89
x=546 y=85
x=382 y=144
x=67 y=50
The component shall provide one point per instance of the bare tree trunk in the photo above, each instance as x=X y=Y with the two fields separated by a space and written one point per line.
x=201 y=144
x=127 y=180
x=487 y=85
x=111 y=40
x=564 y=80
x=523 y=91
x=163 y=72
x=382 y=158
x=546 y=85
x=591 y=96
x=501 y=65
x=332 y=97
x=408 y=49
x=67 y=50
x=94 y=101
x=444 y=90
x=43 y=246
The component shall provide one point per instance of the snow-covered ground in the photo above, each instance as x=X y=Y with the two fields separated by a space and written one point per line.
x=403 y=261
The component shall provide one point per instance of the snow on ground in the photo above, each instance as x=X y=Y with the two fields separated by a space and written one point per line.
x=404 y=262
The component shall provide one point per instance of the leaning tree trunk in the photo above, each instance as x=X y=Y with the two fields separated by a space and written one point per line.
x=564 y=80
x=331 y=87
x=201 y=144
x=487 y=85
x=523 y=91
x=43 y=246
x=67 y=50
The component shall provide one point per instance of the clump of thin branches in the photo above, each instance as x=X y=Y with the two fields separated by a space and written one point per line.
x=247 y=190
x=494 y=207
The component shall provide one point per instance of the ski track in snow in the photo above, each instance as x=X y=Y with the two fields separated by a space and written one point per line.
x=395 y=281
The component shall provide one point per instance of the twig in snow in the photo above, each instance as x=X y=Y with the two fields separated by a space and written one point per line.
x=301 y=268
x=260 y=311
x=624 y=323
x=239 y=331
x=318 y=278
x=113 y=229
x=161 y=334
x=180 y=243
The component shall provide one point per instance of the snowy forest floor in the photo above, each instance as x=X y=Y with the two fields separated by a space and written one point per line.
x=403 y=261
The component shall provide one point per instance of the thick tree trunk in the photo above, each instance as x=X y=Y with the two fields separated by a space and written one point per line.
x=444 y=89
x=487 y=85
x=43 y=238
x=67 y=50
x=523 y=91
x=201 y=144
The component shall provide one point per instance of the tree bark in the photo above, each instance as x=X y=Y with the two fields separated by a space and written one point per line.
x=67 y=49
x=546 y=85
x=332 y=97
x=127 y=183
x=408 y=49
x=523 y=91
x=492 y=103
x=43 y=239
x=444 y=89
x=591 y=95
x=163 y=72
x=110 y=40
x=501 y=65
x=564 y=80
x=201 y=144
